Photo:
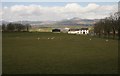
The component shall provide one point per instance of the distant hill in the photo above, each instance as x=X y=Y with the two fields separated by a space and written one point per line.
x=77 y=21
x=66 y=22
x=4 y=22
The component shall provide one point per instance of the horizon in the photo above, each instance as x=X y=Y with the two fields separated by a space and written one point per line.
x=52 y=20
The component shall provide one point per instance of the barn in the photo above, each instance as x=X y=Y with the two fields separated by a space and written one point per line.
x=79 y=31
x=56 y=30
x=84 y=31
x=74 y=31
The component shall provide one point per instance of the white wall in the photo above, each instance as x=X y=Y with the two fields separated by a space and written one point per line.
x=79 y=32
x=73 y=32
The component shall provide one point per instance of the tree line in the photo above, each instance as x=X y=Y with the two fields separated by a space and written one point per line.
x=15 y=27
x=108 y=27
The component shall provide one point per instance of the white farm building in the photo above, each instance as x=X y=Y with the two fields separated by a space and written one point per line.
x=79 y=31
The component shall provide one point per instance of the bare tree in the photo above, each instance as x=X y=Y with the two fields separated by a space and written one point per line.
x=28 y=26
x=10 y=27
x=109 y=24
x=3 y=27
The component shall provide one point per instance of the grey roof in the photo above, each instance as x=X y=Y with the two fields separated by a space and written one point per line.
x=74 y=29
x=78 y=29
x=84 y=28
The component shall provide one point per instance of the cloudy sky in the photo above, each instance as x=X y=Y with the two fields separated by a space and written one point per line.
x=44 y=11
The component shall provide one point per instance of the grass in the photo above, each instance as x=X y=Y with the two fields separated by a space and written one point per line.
x=23 y=53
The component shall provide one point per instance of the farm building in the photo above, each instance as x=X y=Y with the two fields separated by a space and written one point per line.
x=79 y=31
x=84 y=31
x=64 y=30
x=56 y=30
x=74 y=31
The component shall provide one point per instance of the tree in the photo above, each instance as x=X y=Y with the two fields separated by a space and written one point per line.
x=107 y=27
x=98 y=28
x=28 y=26
x=109 y=24
x=3 y=27
x=19 y=27
x=118 y=24
x=10 y=27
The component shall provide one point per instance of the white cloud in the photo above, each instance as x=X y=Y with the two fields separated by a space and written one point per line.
x=38 y=12
x=91 y=7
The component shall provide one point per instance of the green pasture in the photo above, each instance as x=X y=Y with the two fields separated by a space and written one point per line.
x=58 y=53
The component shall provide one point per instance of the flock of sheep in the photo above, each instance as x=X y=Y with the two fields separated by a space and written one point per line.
x=54 y=38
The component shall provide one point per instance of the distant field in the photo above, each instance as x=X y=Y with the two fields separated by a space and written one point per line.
x=58 y=53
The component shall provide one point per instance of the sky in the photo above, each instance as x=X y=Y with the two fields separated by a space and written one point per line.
x=60 y=0
x=54 y=11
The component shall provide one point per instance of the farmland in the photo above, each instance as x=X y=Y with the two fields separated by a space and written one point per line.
x=58 y=53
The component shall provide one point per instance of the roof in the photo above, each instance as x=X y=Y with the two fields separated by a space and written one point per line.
x=55 y=30
x=78 y=29
x=84 y=28
x=74 y=29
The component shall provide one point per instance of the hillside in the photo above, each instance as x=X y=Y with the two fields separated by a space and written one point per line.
x=66 y=22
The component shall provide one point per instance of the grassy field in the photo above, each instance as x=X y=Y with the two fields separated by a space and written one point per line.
x=58 y=53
